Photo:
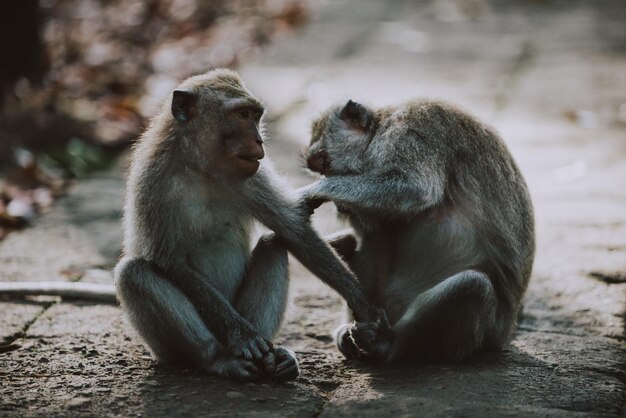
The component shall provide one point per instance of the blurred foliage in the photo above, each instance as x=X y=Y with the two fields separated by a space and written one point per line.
x=105 y=66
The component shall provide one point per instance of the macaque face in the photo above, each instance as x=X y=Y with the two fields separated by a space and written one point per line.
x=226 y=128
x=339 y=141
x=316 y=156
x=241 y=140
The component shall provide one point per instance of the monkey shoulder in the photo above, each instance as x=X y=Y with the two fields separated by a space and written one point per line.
x=404 y=126
x=431 y=107
x=430 y=117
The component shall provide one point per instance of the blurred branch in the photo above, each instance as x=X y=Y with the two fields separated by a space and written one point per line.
x=79 y=78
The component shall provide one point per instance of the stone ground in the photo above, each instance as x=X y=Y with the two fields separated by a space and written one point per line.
x=550 y=76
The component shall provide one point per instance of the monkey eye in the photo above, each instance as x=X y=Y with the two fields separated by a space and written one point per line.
x=244 y=113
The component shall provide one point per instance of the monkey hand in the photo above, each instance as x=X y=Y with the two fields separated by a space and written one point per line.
x=308 y=201
x=373 y=340
x=250 y=346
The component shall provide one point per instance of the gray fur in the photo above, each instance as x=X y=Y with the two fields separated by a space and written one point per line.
x=191 y=284
x=444 y=224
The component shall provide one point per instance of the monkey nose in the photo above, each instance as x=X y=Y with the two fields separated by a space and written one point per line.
x=314 y=163
x=257 y=150
x=319 y=161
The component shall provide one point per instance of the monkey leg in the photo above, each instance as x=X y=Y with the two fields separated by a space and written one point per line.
x=368 y=264
x=448 y=322
x=170 y=325
x=345 y=243
x=262 y=299
x=262 y=296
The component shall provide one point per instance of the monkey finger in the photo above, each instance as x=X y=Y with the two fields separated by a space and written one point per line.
x=284 y=359
x=288 y=373
x=314 y=203
x=245 y=372
x=254 y=351
x=364 y=331
x=269 y=362
x=251 y=368
x=243 y=376
x=286 y=363
x=265 y=345
x=243 y=352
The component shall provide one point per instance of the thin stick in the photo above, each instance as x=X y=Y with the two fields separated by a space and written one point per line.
x=72 y=290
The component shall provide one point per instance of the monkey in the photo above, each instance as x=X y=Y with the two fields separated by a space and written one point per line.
x=442 y=235
x=188 y=279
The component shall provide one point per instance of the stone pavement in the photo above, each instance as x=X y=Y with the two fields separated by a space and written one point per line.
x=549 y=76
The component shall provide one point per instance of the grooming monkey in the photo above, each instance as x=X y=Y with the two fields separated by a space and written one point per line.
x=191 y=284
x=443 y=227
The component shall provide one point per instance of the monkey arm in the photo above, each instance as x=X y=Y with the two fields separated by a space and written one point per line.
x=390 y=193
x=275 y=211
x=220 y=317
x=317 y=256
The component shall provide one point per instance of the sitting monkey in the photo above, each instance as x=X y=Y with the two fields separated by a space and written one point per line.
x=189 y=281
x=443 y=222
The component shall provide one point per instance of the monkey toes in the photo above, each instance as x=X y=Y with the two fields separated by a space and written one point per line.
x=252 y=348
x=281 y=365
x=235 y=368
x=287 y=367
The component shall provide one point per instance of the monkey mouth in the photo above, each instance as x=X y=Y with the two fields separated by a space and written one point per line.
x=249 y=157
x=249 y=164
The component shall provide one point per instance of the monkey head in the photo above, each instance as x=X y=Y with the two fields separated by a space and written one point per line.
x=339 y=140
x=222 y=121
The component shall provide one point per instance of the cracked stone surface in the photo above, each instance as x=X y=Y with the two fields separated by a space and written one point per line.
x=549 y=76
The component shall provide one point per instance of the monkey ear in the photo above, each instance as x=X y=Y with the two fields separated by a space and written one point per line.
x=356 y=115
x=182 y=104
